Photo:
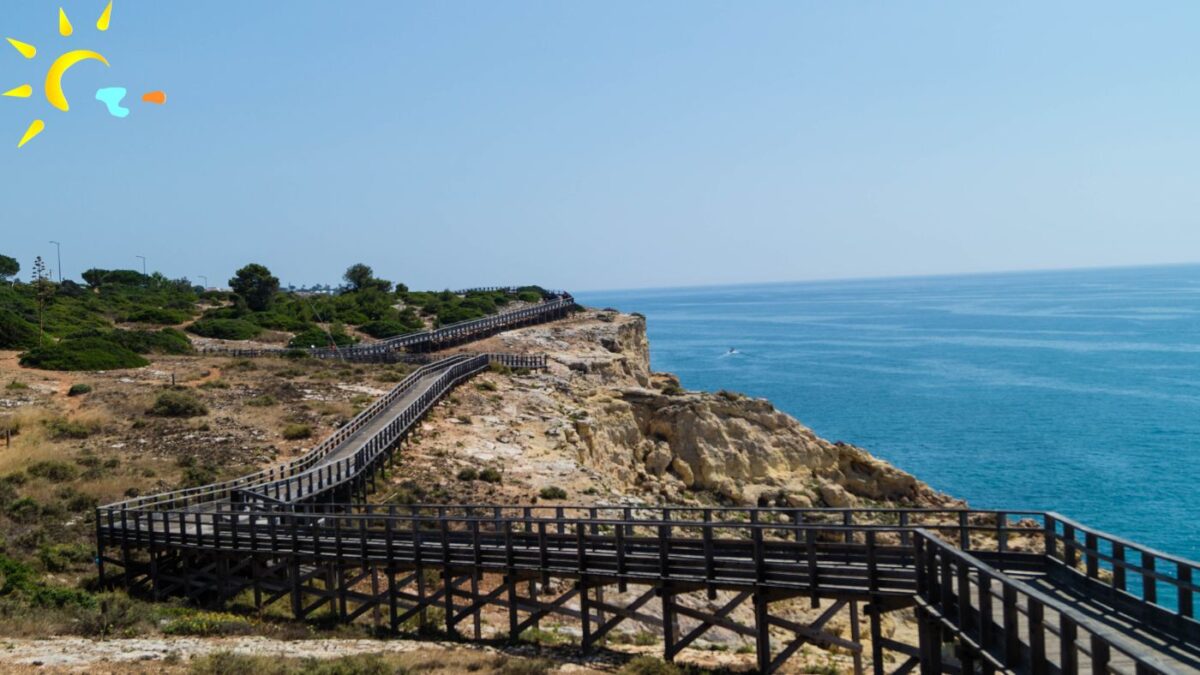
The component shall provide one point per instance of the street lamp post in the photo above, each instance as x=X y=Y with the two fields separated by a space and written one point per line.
x=205 y=280
x=58 y=247
x=143 y=259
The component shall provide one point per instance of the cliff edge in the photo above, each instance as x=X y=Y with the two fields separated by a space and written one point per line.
x=599 y=423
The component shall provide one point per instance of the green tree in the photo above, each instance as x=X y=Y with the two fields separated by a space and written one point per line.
x=361 y=277
x=9 y=267
x=43 y=292
x=94 y=277
x=256 y=285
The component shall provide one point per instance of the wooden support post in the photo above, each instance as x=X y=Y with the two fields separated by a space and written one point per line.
x=297 y=587
x=856 y=637
x=585 y=611
x=762 y=630
x=929 y=635
x=668 y=619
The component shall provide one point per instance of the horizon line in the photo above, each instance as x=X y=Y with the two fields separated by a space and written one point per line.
x=888 y=277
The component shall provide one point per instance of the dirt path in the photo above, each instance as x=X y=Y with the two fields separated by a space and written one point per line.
x=67 y=654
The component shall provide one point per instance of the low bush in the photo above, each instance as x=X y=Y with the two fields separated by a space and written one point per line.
x=79 y=389
x=225 y=329
x=16 y=385
x=264 y=401
x=385 y=329
x=491 y=475
x=165 y=341
x=21 y=582
x=649 y=665
x=177 y=404
x=53 y=471
x=486 y=386
x=317 y=337
x=61 y=428
x=24 y=510
x=90 y=353
x=208 y=623
x=16 y=332
x=468 y=473
x=196 y=476
x=553 y=492
x=117 y=614
x=295 y=432
x=63 y=557
x=157 y=315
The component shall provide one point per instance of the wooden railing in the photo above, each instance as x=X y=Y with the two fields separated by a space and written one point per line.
x=225 y=490
x=1003 y=624
x=1128 y=575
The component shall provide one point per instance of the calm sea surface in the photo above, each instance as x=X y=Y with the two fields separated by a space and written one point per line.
x=1073 y=391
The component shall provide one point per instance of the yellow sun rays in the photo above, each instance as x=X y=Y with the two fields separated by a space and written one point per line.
x=54 y=93
x=105 y=17
x=35 y=127
x=28 y=51
x=64 y=24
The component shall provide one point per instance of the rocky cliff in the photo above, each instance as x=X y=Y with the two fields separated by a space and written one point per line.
x=633 y=432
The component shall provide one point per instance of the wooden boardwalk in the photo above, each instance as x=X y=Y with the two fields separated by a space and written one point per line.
x=1066 y=599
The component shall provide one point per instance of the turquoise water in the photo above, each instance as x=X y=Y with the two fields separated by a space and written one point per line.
x=1071 y=391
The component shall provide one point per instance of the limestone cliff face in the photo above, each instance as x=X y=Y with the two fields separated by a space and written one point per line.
x=641 y=429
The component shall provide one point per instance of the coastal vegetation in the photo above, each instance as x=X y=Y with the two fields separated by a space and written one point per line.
x=116 y=318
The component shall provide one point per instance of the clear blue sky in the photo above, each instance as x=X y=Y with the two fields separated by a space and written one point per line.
x=609 y=144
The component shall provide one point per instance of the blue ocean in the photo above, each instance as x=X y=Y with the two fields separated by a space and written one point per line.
x=1072 y=391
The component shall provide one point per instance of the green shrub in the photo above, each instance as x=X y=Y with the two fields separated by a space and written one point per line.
x=157 y=315
x=264 y=401
x=486 y=386
x=177 y=404
x=16 y=332
x=544 y=637
x=24 y=510
x=317 y=337
x=491 y=475
x=63 y=428
x=208 y=623
x=277 y=321
x=16 y=385
x=116 y=613
x=497 y=367
x=79 y=389
x=53 y=471
x=62 y=557
x=468 y=473
x=165 y=341
x=91 y=353
x=387 y=328
x=553 y=492
x=295 y=432
x=80 y=503
x=225 y=329
x=196 y=476
x=649 y=665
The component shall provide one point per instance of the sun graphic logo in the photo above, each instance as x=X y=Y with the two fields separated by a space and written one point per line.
x=109 y=96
